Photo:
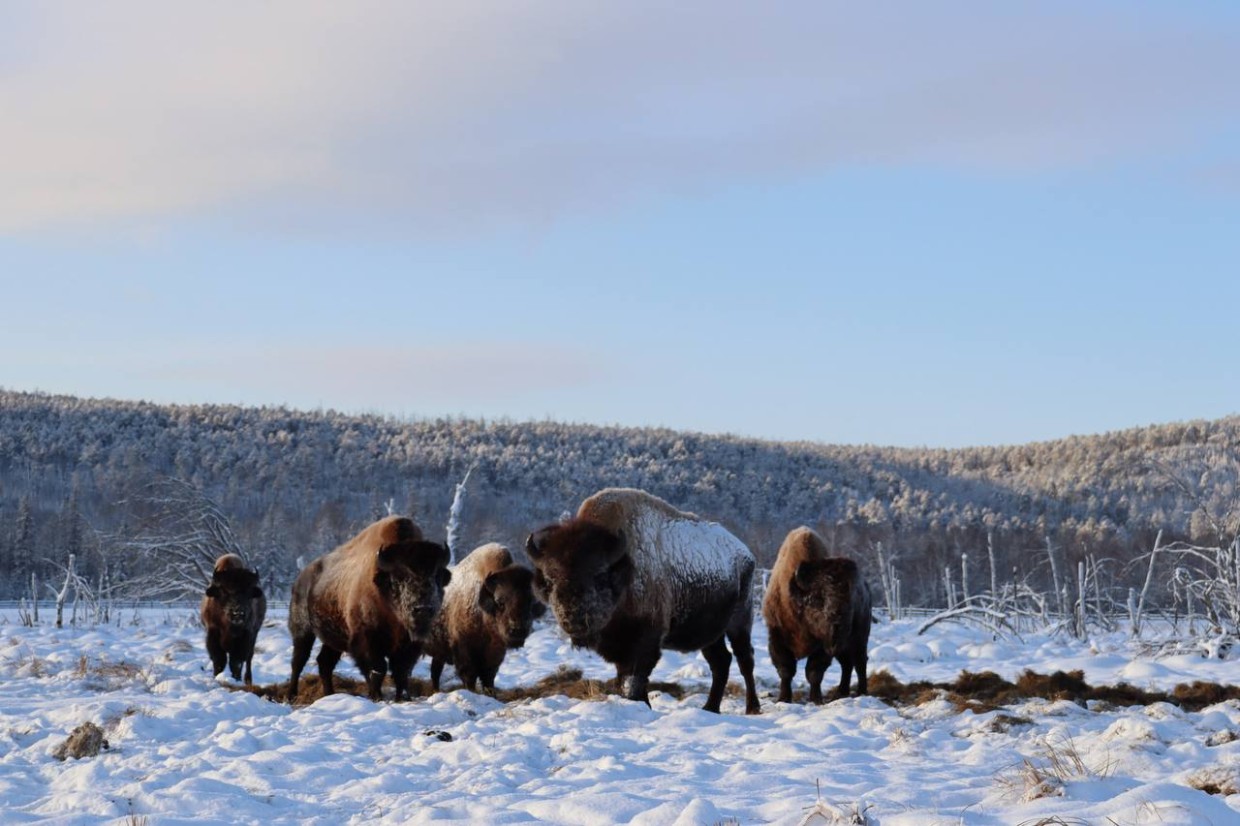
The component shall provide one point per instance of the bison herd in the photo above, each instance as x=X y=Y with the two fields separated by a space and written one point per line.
x=627 y=577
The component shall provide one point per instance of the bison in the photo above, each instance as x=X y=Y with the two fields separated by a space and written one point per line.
x=488 y=608
x=376 y=597
x=630 y=575
x=232 y=611
x=816 y=607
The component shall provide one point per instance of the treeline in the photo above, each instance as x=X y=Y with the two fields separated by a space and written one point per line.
x=75 y=476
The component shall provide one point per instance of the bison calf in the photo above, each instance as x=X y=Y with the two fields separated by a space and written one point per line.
x=488 y=608
x=375 y=597
x=630 y=575
x=816 y=607
x=232 y=611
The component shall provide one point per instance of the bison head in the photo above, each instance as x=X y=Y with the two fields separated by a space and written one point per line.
x=411 y=575
x=823 y=589
x=507 y=596
x=582 y=570
x=236 y=590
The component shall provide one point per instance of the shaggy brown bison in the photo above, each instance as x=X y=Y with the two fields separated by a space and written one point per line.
x=630 y=575
x=232 y=611
x=376 y=597
x=816 y=607
x=488 y=608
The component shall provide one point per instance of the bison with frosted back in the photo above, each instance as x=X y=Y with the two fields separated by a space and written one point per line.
x=817 y=607
x=488 y=608
x=376 y=597
x=232 y=611
x=630 y=575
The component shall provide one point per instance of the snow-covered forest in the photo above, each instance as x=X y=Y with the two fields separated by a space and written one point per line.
x=89 y=478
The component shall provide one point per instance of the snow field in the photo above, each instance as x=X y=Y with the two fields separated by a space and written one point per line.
x=185 y=749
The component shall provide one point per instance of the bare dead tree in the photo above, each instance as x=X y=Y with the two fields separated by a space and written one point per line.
x=1204 y=574
x=174 y=553
x=454 y=516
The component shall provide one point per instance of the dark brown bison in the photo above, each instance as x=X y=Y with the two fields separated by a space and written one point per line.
x=488 y=608
x=630 y=576
x=232 y=611
x=376 y=597
x=816 y=607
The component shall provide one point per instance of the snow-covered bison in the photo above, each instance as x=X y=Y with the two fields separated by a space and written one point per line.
x=488 y=608
x=630 y=575
x=376 y=597
x=232 y=611
x=817 y=607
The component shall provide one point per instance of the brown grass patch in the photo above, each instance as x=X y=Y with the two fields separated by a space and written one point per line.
x=310 y=689
x=566 y=682
x=979 y=692
x=569 y=682
x=986 y=691
x=1197 y=695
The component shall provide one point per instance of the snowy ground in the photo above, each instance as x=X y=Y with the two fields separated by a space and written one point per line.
x=185 y=749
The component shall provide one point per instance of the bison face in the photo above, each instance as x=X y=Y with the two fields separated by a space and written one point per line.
x=583 y=571
x=236 y=591
x=411 y=576
x=507 y=597
x=823 y=590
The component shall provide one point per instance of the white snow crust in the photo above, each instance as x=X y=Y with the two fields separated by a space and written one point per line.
x=683 y=554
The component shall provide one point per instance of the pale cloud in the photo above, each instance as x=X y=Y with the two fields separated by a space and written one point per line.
x=364 y=376
x=433 y=116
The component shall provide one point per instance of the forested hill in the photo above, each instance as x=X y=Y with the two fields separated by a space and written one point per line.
x=73 y=472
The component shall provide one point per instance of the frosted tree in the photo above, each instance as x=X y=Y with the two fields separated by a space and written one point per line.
x=174 y=554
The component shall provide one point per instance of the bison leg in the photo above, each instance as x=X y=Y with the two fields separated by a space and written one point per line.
x=720 y=660
x=815 y=669
x=487 y=674
x=234 y=665
x=402 y=667
x=623 y=672
x=374 y=677
x=785 y=664
x=846 y=669
x=217 y=652
x=327 y=659
x=249 y=669
x=436 y=671
x=646 y=656
x=301 y=653
x=860 y=664
x=742 y=646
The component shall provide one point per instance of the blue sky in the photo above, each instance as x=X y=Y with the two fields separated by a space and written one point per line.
x=965 y=224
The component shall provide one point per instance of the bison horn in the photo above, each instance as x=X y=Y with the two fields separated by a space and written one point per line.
x=619 y=546
x=531 y=549
x=804 y=576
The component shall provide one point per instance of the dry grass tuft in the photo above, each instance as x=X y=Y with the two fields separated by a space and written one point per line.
x=85 y=741
x=1221 y=780
x=1045 y=776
